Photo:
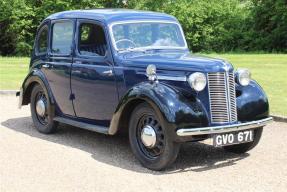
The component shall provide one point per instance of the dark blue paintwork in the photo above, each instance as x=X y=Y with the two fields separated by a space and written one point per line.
x=95 y=90
x=252 y=102
x=80 y=89
x=108 y=16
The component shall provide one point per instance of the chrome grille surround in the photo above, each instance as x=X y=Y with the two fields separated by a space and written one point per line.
x=222 y=98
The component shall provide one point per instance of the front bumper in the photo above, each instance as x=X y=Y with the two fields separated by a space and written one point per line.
x=223 y=128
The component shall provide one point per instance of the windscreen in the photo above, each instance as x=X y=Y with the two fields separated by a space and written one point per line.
x=151 y=35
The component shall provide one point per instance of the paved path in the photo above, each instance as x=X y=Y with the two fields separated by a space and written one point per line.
x=80 y=160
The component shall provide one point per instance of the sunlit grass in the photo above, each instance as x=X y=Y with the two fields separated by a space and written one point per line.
x=12 y=71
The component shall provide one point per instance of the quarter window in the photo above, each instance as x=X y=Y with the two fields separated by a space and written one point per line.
x=92 y=40
x=62 y=37
x=42 y=44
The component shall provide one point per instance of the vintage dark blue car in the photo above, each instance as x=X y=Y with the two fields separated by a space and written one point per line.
x=115 y=70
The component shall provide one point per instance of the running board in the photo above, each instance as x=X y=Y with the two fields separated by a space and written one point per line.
x=87 y=126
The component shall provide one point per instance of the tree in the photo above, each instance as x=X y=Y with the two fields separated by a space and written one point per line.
x=209 y=25
x=269 y=22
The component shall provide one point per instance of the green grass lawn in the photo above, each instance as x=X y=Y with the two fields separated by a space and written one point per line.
x=269 y=70
x=13 y=71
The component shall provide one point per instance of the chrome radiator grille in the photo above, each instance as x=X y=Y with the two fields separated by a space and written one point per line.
x=222 y=97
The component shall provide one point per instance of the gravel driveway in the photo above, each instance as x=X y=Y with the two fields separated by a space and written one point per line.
x=80 y=160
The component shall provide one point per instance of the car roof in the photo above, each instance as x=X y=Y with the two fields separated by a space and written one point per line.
x=112 y=15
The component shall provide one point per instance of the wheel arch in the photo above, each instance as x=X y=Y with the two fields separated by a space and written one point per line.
x=175 y=109
x=28 y=92
x=124 y=118
x=33 y=78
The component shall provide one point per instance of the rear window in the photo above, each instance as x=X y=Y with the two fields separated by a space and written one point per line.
x=62 y=37
x=42 y=43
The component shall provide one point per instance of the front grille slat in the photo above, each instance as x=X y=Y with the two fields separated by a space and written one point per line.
x=222 y=97
x=232 y=95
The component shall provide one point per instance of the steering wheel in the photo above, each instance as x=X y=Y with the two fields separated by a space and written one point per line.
x=126 y=40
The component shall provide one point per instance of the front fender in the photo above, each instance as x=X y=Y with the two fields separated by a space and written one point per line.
x=252 y=102
x=33 y=77
x=175 y=108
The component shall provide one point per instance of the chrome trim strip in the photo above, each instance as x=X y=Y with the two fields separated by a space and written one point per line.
x=223 y=128
x=171 y=78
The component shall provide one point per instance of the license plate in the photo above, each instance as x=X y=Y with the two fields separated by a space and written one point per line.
x=232 y=138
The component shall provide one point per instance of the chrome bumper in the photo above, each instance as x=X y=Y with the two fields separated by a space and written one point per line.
x=223 y=128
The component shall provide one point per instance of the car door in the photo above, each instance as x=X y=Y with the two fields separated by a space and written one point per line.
x=92 y=79
x=59 y=61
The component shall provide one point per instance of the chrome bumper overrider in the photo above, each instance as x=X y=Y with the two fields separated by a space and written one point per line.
x=223 y=128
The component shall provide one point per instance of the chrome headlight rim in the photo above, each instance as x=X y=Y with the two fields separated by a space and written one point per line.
x=197 y=81
x=243 y=77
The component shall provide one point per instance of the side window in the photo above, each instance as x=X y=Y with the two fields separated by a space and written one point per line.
x=92 y=40
x=42 y=41
x=62 y=37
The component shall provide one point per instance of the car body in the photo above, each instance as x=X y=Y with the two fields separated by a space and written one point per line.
x=107 y=69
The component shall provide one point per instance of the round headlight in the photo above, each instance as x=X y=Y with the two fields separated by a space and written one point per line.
x=243 y=77
x=197 y=81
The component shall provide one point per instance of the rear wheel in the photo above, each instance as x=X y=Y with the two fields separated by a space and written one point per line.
x=244 y=147
x=41 y=111
x=149 y=139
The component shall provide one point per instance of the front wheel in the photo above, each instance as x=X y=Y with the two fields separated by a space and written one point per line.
x=150 y=140
x=244 y=147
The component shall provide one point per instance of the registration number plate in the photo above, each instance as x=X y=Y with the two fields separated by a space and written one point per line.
x=232 y=138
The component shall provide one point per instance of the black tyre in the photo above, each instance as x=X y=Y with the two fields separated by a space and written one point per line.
x=41 y=111
x=244 y=147
x=150 y=140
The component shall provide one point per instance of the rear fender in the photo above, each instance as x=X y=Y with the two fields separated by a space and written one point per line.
x=35 y=77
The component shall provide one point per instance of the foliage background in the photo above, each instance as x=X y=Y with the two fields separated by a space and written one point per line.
x=209 y=25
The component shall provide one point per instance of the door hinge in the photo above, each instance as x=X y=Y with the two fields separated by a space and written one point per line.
x=72 y=96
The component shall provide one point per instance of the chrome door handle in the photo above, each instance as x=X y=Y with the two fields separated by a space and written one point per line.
x=78 y=62
x=76 y=72
x=108 y=72
x=46 y=66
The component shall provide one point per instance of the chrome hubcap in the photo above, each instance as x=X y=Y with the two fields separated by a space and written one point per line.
x=40 y=108
x=148 y=136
